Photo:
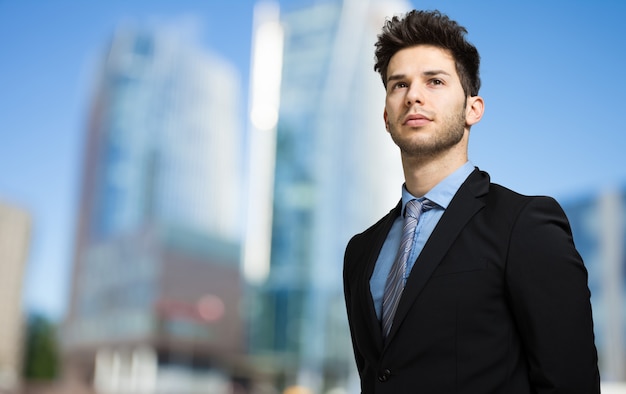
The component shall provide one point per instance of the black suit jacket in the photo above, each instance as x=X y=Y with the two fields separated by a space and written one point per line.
x=496 y=303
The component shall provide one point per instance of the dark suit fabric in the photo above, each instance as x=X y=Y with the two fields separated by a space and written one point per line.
x=497 y=302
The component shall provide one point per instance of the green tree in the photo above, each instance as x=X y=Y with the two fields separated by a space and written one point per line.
x=41 y=358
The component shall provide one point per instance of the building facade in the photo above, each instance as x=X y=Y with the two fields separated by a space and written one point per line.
x=336 y=172
x=156 y=286
x=15 y=235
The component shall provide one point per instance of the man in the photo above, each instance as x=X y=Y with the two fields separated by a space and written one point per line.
x=474 y=288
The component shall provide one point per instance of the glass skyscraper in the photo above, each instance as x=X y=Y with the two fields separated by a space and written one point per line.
x=336 y=172
x=156 y=284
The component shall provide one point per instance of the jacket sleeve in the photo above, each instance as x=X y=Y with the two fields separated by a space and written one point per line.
x=347 y=290
x=550 y=300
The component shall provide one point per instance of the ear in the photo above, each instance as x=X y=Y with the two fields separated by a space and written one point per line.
x=474 y=110
x=385 y=117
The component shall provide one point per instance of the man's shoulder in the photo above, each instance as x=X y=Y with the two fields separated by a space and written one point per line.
x=362 y=244
x=480 y=181
x=498 y=191
x=506 y=202
x=500 y=199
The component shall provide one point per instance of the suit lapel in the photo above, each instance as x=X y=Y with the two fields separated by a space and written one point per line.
x=376 y=243
x=463 y=206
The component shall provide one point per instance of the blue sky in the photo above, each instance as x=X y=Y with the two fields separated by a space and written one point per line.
x=553 y=82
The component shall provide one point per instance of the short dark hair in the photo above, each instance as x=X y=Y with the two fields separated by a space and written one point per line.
x=429 y=28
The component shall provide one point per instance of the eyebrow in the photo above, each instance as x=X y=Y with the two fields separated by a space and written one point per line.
x=429 y=73
x=435 y=72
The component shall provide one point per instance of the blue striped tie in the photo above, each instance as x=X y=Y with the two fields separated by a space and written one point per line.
x=395 y=281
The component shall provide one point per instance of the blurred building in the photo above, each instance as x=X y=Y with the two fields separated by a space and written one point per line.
x=335 y=171
x=156 y=288
x=15 y=229
x=599 y=227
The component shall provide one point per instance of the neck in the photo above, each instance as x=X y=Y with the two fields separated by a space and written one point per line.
x=421 y=174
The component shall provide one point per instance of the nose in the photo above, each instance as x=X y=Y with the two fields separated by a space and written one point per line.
x=413 y=96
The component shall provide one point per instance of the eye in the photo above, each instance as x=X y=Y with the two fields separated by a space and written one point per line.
x=400 y=85
x=436 y=82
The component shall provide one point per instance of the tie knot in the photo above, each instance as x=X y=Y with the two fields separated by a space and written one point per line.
x=415 y=207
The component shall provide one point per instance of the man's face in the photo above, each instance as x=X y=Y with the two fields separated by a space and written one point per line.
x=425 y=108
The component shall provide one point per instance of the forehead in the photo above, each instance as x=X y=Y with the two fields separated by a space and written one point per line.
x=420 y=59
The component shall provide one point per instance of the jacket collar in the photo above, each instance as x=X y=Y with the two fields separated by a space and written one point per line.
x=465 y=204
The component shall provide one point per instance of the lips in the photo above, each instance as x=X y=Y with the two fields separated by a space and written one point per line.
x=416 y=120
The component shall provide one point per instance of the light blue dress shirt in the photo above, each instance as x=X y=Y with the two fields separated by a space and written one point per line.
x=441 y=195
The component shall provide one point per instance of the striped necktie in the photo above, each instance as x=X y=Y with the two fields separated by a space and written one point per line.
x=395 y=281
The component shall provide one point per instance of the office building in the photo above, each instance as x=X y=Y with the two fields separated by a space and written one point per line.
x=335 y=171
x=155 y=286
x=15 y=235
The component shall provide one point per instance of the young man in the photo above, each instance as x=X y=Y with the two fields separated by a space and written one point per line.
x=474 y=288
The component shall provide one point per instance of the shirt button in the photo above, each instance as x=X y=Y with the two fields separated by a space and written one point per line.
x=384 y=376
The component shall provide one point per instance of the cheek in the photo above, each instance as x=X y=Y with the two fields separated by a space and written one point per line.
x=390 y=110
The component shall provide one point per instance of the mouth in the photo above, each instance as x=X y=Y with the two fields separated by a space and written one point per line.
x=416 y=120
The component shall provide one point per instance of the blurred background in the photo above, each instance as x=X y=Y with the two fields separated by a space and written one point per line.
x=176 y=177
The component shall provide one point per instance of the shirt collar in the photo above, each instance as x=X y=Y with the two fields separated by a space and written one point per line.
x=443 y=192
